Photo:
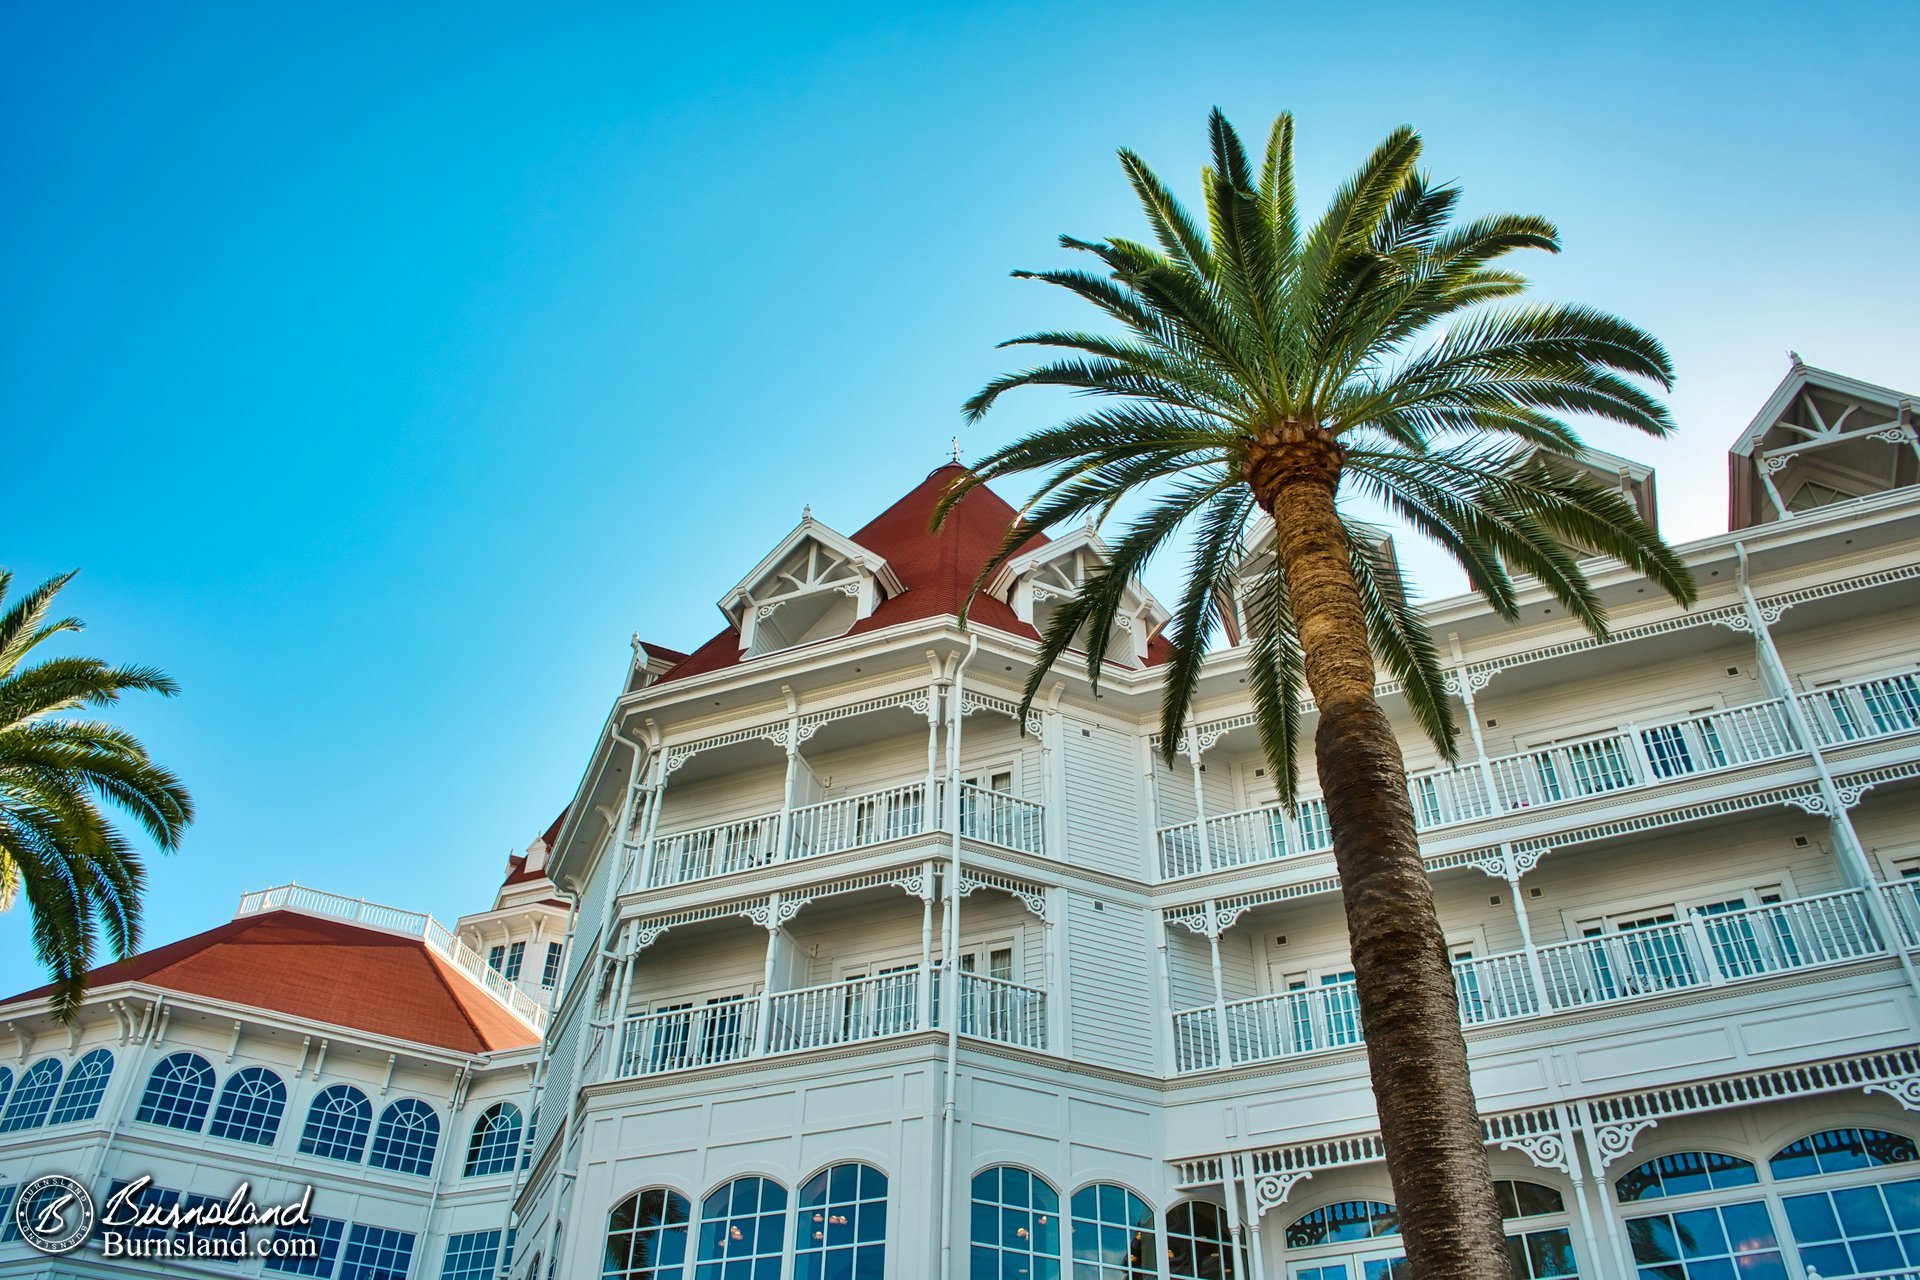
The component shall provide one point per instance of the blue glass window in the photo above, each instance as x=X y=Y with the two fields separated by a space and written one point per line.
x=8 y=1231
x=1016 y=1226
x=841 y=1230
x=647 y=1237
x=327 y=1231
x=6 y=1083
x=742 y=1231
x=1684 y=1173
x=28 y=1107
x=1342 y=1223
x=1200 y=1242
x=376 y=1253
x=337 y=1124
x=86 y=1085
x=1714 y=1243
x=1834 y=1151
x=495 y=1145
x=1858 y=1230
x=1114 y=1235
x=178 y=1092
x=471 y=1255
x=1543 y=1255
x=406 y=1138
x=250 y=1107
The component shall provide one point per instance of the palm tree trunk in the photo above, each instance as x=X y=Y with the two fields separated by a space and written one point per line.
x=1409 y=1012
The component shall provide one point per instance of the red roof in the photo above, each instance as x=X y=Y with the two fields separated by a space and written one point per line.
x=517 y=872
x=937 y=569
x=327 y=971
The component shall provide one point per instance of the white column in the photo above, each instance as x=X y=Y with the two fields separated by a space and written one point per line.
x=923 y=989
x=931 y=805
x=1616 y=1230
x=1526 y=927
x=1199 y=800
x=1055 y=983
x=1163 y=993
x=1256 y=1249
x=1579 y=1180
x=783 y=836
x=1219 y=989
x=763 y=1024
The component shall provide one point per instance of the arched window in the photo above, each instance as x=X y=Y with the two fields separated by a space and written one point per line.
x=1114 y=1235
x=86 y=1084
x=1537 y=1250
x=1834 y=1151
x=337 y=1124
x=405 y=1138
x=647 y=1236
x=1199 y=1242
x=250 y=1107
x=495 y=1144
x=742 y=1230
x=178 y=1092
x=1343 y=1223
x=1016 y=1226
x=1684 y=1173
x=842 y=1225
x=28 y=1107
x=6 y=1083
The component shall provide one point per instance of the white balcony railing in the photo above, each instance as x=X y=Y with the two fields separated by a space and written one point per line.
x=417 y=924
x=1698 y=951
x=821 y=1017
x=1621 y=760
x=838 y=825
x=1865 y=709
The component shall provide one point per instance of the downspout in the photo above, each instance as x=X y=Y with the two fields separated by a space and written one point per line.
x=1848 y=841
x=950 y=961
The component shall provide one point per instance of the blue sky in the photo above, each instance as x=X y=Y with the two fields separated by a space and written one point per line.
x=384 y=367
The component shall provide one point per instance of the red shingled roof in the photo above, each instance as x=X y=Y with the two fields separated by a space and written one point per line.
x=327 y=971
x=517 y=872
x=937 y=570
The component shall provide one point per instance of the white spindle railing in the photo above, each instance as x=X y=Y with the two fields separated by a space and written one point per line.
x=849 y=822
x=996 y=1009
x=417 y=924
x=1864 y=709
x=1620 y=760
x=717 y=850
x=1698 y=951
x=1903 y=904
x=680 y=1039
x=886 y=1004
x=998 y=818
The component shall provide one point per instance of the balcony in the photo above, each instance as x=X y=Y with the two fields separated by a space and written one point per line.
x=1631 y=758
x=823 y=1017
x=1717 y=950
x=840 y=825
x=1864 y=710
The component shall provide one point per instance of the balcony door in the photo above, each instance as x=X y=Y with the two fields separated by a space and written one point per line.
x=880 y=1000
x=1375 y=1264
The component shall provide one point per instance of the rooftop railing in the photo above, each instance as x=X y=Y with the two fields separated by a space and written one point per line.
x=414 y=924
x=1701 y=950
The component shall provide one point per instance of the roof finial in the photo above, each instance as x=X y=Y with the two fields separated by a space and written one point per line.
x=956 y=448
x=1795 y=357
x=806 y=512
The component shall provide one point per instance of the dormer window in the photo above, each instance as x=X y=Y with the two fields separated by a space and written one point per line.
x=814 y=586
x=1038 y=584
x=1812 y=494
x=1822 y=439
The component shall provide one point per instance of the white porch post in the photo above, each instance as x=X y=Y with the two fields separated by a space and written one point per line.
x=1616 y=1230
x=648 y=853
x=1464 y=679
x=763 y=1024
x=1199 y=800
x=923 y=994
x=931 y=804
x=1163 y=1039
x=783 y=835
x=1532 y=951
x=1219 y=988
x=1256 y=1249
x=1578 y=1178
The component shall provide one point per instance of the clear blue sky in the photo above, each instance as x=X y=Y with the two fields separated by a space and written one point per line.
x=383 y=367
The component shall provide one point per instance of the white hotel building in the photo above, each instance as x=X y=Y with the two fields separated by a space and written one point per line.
x=864 y=977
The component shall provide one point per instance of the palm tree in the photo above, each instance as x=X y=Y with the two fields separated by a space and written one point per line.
x=1263 y=367
x=80 y=875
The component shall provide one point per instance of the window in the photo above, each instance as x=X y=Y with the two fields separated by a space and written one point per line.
x=376 y=1253
x=496 y=958
x=471 y=1255
x=325 y=1230
x=1343 y=1223
x=1707 y=1244
x=406 y=1137
x=337 y=1124
x=1199 y=1242
x=1812 y=494
x=1835 y=1151
x=1114 y=1235
x=495 y=1144
x=1016 y=1226
x=86 y=1084
x=6 y=1073
x=515 y=955
x=742 y=1231
x=178 y=1092
x=28 y=1107
x=9 y=1230
x=550 y=968
x=1542 y=1255
x=841 y=1231
x=1857 y=1230
x=250 y=1107
x=647 y=1236
x=1527 y=1199
x=195 y=1200
x=1684 y=1173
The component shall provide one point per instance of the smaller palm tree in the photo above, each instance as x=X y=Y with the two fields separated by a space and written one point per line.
x=80 y=875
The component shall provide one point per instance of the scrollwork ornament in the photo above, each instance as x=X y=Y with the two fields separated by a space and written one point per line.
x=1812 y=803
x=1527 y=857
x=1904 y=1090
x=1194 y=921
x=1616 y=1140
x=1775 y=465
x=1895 y=434
x=1546 y=1150
x=1270 y=1190
x=644 y=938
